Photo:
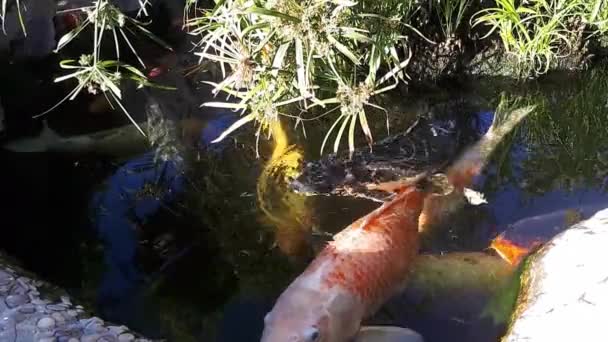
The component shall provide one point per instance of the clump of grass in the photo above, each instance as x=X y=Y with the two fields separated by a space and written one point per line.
x=278 y=57
x=450 y=14
x=595 y=14
x=536 y=32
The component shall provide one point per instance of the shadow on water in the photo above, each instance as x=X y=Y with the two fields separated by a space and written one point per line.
x=178 y=250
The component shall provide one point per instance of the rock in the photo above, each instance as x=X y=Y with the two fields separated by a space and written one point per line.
x=46 y=323
x=126 y=337
x=564 y=287
x=15 y=300
x=32 y=310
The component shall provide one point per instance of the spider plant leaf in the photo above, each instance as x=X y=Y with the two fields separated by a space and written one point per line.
x=254 y=27
x=277 y=63
x=229 y=91
x=300 y=67
x=240 y=122
x=343 y=49
x=596 y=10
x=116 y=46
x=352 y=29
x=74 y=74
x=216 y=58
x=288 y=101
x=107 y=63
x=108 y=82
x=228 y=105
x=20 y=15
x=391 y=73
x=376 y=106
x=264 y=11
x=333 y=126
x=344 y=3
x=80 y=86
x=420 y=34
x=4 y=2
x=65 y=64
x=128 y=115
x=356 y=36
x=365 y=127
x=218 y=6
x=66 y=98
x=351 y=135
x=131 y=47
x=151 y=35
x=325 y=102
x=68 y=37
x=133 y=70
x=264 y=42
x=374 y=63
x=395 y=57
x=340 y=132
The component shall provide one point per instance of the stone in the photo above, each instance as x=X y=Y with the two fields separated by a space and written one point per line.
x=47 y=339
x=126 y=337
x=46 y=323
x=5 y=278
x=16 y=300
x=27 y=309
x=58 y=317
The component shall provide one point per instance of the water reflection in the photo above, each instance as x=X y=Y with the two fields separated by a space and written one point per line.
x=133 y=194
x=131 y=198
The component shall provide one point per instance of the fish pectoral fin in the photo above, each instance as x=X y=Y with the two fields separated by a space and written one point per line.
x=387 y=333
x=474 y=197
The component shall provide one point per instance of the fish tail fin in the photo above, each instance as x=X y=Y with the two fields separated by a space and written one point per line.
x=508 y=250
x=505 y=121
x=469 y=165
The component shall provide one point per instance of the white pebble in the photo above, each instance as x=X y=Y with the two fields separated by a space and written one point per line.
x=46 y=323
x=90 y=338
x=47 y=339
x=126 y=338
x=58 y=317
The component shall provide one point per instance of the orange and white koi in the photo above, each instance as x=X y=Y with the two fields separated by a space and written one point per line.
x=351 y=277
x=525 y=235
x=362 y=267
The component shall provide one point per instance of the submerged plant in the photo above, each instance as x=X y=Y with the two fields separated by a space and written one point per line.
x=278 y=57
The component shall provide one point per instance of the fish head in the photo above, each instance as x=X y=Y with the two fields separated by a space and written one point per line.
x=302 y=315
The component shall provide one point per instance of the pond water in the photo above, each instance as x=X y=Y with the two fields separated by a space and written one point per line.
x=180 y=250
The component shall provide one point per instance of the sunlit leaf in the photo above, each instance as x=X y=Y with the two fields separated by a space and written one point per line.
x=242 y=121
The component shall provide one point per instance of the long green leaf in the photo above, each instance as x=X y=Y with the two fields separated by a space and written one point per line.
x=341 y=117
x=271 y=13
x=351 y=135
x=242 y=121
x=343 y=49
x=224 y=105
x=340 y=132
